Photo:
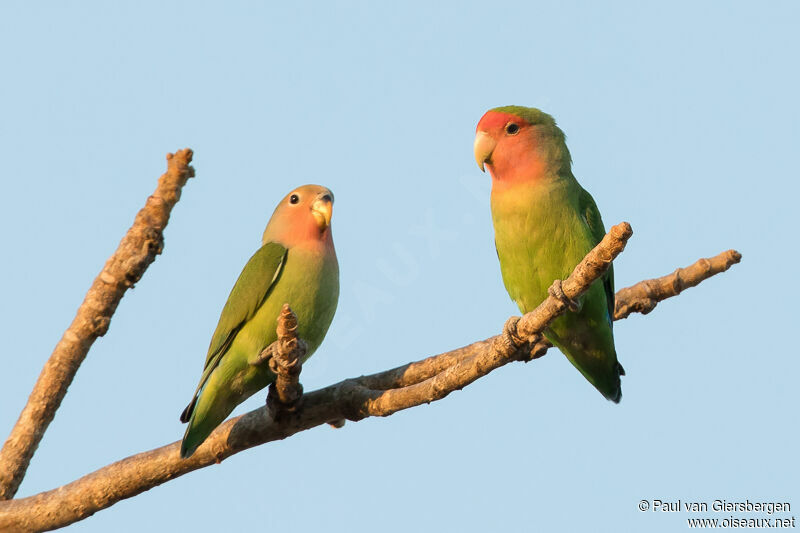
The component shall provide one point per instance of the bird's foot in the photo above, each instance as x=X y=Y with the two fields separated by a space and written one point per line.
x=285 y=365
x=514 y=342
x=510 y=334
x=557 y=292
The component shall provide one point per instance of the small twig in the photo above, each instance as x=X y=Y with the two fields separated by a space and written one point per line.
x=645 y=295
x=143 y=241
x=285 y=361
x=284 y=357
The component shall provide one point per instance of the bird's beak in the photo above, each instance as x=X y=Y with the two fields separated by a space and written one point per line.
x=484 y=146
x=322 y=209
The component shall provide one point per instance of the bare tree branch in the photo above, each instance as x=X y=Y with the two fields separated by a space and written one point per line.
x=645 y=295
x=379 y=394
x=125 y=267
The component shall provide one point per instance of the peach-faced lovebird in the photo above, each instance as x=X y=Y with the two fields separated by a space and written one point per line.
x=296 y=264
x=544 y=224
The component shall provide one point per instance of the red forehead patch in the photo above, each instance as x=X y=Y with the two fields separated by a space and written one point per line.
x=493 y=120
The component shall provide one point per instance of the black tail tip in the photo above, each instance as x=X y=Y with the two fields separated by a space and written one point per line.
x=617 y=395
x=187 y=413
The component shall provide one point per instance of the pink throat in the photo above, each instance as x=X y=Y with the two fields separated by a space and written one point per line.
x=523 y=169
x=309 y=236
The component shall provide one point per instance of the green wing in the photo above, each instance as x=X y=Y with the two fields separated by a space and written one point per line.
x=592 y=217
x=250 y=291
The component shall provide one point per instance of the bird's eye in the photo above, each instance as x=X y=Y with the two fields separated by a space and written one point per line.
x=512 y=128
x=293 y=199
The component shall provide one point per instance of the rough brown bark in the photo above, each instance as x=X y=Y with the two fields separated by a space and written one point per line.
x=287 y=353
x=143 y=241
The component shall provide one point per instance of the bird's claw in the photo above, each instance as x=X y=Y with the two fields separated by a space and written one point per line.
x=557 y=292
x=517 y=343
x=510 y=333
x=275 y=364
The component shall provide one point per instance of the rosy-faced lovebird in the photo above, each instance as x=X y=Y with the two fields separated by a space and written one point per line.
x=296 y=264
x=544 y=224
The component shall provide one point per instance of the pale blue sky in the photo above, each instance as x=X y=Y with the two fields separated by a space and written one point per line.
x=682 y=119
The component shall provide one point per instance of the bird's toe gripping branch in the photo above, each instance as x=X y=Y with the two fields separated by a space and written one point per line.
x=284 y=357
x=556 y=291
x=526 y=349
x=511 y=338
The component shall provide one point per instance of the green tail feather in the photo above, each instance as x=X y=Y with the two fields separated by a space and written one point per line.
x=204 y=415
x=593 y=362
